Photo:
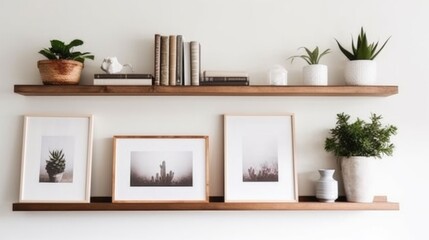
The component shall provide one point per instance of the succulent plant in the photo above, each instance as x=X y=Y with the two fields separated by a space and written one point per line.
x=60 y=50
x=363 y=50
x=56 y=163
x=312 y=57
x=360 y=138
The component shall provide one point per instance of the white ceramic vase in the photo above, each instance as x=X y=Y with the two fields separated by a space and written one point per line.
x=316 y=74
x=358 y=178
x=326 y=186
x=360 y=72
x=277 y=75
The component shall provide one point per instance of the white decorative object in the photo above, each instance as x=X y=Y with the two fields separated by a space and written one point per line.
x=327 y=186
x=358 y=178
x=278 y=75
x=361 y=72
x=315 y=74
x=111 y=65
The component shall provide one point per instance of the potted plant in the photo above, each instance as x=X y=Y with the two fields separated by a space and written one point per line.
x=56 y=165
x=356 y=145
x=314 y=73
x=361 y=69
x=64 y=66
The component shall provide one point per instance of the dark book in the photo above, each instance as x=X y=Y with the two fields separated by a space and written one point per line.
x=165 y=46
x=225 y=79
x=123 y=76
x=157 y=64
x=179 y=61
x=225 y=83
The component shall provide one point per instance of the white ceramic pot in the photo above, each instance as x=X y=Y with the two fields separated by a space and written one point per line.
x=277 y=75
x=316 y=74
x=360 y=72
x=358 y=178
x=326 y=186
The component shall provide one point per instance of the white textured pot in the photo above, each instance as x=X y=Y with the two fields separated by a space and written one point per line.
x=326 y=186
x=316 y=74
x=358 y=178
x=360 y=72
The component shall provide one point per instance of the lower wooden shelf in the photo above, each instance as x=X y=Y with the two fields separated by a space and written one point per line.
x=216 y=203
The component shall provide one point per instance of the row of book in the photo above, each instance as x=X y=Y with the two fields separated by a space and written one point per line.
x=177 y=62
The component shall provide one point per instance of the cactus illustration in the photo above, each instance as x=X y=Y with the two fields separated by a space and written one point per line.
x=162 y=178
x=56 y=163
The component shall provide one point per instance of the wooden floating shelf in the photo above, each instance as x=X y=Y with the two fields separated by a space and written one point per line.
x=291 y=90
x=216 y=203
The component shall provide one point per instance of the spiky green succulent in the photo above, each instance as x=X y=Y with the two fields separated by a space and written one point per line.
x=363 y=50
x=60 y=50
x=312 y=57
x=56 y=163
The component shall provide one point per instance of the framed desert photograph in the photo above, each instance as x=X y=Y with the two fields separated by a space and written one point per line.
x=259 y=158
x=56 y=159
x=160 y=169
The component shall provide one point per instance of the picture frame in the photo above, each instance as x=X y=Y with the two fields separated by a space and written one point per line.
x=56 y=159
x=260 y=158
x=160 y=169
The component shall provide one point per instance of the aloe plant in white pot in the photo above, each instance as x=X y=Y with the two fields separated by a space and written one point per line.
x=356 y=145
x=361 y=69
x=314 y=73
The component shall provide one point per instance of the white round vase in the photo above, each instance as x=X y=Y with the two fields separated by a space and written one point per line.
x=358 y=178
x=326 y=186
x=360 y=72
x=316 y=74
x=277 y=75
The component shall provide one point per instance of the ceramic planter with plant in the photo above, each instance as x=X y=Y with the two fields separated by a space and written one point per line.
x=356 y=145
x=361 y=69
x=56 y=165
x=64 y=66
x=314 y=73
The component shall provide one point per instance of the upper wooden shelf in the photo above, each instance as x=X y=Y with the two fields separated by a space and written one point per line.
x=291 y=90
x=216 y=203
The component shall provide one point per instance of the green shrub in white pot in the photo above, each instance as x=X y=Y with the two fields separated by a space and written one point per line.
x=314 y=73
x=357 y=145
x=361 y=69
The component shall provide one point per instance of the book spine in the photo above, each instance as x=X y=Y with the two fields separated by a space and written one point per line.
x=164 y=60
x=225 y=79
x=179 y=60
x=172 y=60
x=186 y=64
x=195 y=63
x=230 y=83
x=124 y=76
x=157 y=64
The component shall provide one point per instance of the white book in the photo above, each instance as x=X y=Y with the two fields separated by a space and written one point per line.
x=195 y=63
x=225 y=74
x=187 y=63
x=122 y=81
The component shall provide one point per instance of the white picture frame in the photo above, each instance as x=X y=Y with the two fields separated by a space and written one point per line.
x=260 y=158
x=66 y=143
x=160 y=169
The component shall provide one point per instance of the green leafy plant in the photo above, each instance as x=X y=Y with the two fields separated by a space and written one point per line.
x=311 y=57
x=360 y=138
x=56 y=163
x=60 y=50
x=363 y=50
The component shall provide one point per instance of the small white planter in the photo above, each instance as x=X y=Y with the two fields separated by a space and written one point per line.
x=316 y=74
x=358 y=178
x=326 y=186
x=360 y=72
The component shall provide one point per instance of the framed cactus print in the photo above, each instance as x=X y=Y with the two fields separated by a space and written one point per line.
x=259 y=158
x=160 y=169
x=56 y=159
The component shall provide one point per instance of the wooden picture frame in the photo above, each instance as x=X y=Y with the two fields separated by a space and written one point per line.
x=160 y=169
x=260 y=158
x=56 y=159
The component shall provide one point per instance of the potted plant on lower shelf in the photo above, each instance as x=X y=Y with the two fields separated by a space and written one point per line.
x=56 y=165
x=356 y=145
x=361 y=69
x=64 y=66
x=314 y=73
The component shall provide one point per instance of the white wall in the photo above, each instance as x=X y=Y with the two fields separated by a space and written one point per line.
x=250 y=35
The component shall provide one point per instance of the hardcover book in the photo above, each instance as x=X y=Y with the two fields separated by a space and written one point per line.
x=179 y=60
x=225 y=74
x=172 y=60
x=164 y=60
x=123 y=76
x=225 y=83
x=195 y=63
x=122 y=81
x=225 y=79
x=157 y=64
x=186 y=63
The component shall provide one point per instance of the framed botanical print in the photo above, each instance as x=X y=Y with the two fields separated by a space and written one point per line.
x=160 y=169
x=56 y=159
x=259 y=158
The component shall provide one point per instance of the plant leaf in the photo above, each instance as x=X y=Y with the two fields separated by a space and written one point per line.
x=348 y=54
x=375 y=55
